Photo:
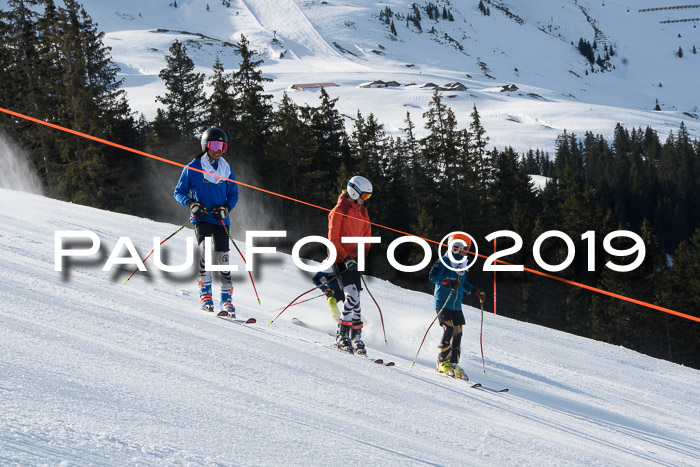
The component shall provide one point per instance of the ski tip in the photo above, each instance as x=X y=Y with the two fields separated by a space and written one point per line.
x=251 y=321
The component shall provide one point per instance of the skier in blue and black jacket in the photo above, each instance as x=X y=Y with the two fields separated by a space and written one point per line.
x=210 y=197
x=450 y=285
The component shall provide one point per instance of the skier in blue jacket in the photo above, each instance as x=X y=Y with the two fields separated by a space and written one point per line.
x=210 y=198
x=447 y=299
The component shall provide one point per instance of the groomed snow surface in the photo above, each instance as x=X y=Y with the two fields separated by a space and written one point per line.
x=96 y=372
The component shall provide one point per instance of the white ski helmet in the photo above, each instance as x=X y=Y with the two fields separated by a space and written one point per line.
x=359 y=186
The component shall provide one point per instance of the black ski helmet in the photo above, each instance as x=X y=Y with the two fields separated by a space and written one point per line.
x=213 y=134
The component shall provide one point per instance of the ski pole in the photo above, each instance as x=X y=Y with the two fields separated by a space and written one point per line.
x=244 y=262
x=299 y=302
x=381 y=317
x=149 y=255
x=481 y=332
x=290 y=304
x=431 y=325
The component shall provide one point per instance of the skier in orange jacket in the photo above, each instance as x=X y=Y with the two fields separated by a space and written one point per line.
x=349 y=218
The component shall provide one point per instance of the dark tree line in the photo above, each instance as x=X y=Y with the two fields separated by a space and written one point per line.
x=56 y=68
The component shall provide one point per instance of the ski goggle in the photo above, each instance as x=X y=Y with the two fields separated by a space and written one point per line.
x=217 y=146
x=459 y=248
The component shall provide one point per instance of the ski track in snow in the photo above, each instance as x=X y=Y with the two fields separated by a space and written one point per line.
x=93 y=371
x=299 y=35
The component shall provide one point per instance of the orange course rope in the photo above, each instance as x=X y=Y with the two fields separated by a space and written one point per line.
x=168 y=161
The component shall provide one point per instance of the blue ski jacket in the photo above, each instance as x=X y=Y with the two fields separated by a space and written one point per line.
x=439 y=272
x=326 y=280
x=193 y=185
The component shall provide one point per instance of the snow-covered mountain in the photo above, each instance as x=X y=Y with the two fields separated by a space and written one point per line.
x=528 y=48
x=96 y=372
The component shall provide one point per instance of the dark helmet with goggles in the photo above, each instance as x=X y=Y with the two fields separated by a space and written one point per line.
x=214 y=139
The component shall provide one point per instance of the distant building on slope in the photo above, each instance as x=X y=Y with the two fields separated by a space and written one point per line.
x=305 y=86
x=380 y=84
x=373 y=84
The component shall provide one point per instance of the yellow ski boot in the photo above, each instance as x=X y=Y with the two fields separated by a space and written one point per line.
x=459 y=372
x=446 y=368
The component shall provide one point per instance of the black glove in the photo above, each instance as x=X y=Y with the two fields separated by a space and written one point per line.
x=329 y=292
x=220 y=212
x=479 y=294
x=350 y=264
x=197 y=209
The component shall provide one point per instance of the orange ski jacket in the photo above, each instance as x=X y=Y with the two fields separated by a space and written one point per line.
x=349 y=225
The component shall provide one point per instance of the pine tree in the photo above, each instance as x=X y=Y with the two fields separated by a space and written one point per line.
x=184 y=101
x=368 y=146
x=221 y=103
x=680 y=285
x=328 y=130
x=568 y=156
x=24 y=53
x=91 y=102
x=418 y=177
x=252 y=110
x=509 y=183
x=625 y=323
x=441 y=152
x=294 y=172
x=440 y=145
x=478 y=147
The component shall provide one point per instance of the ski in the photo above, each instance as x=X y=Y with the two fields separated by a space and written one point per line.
x=238 y=321
x=476 y=385
x=486 y=388
x=382 y=362
x=232 y=319
x=378 y=361
x=466 y=380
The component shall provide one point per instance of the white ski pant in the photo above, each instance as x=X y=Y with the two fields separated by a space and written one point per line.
x=222 y=259
x=351 y=306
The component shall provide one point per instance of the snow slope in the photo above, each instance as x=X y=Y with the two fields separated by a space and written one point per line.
x=96 y=372
x=305 y=41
